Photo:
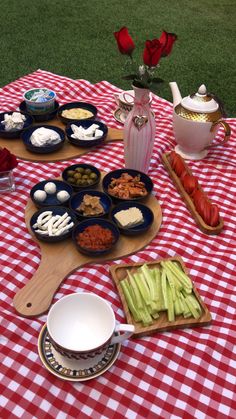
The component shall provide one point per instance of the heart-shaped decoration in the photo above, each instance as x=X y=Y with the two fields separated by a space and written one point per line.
x=139 y=121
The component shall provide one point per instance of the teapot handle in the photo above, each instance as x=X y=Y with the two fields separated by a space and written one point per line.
x=226 y=129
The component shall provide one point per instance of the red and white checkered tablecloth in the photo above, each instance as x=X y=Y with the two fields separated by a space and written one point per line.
x=188 y=373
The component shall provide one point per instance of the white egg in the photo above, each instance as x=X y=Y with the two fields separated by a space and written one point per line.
x=63 y=196
x=50 y=188
x=40 y=196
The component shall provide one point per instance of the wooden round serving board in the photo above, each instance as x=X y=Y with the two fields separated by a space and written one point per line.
x=68 y=151
x=58 y=260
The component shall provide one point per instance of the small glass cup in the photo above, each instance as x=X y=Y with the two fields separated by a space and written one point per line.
x=7 y=181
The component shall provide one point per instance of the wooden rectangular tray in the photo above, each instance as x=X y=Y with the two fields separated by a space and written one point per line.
x=119 y=272
x=205 y=228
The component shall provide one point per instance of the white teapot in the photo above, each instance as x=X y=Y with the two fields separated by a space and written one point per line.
x=196 y=119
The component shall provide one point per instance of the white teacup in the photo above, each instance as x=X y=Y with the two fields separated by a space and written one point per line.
x=82 y=325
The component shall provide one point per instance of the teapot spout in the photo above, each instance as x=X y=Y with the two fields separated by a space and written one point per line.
x=175 y=93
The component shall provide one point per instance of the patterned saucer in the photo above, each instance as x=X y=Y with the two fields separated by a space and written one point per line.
x=71 y=369
x=120 y=115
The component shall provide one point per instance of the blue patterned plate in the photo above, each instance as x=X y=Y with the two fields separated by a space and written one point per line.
x=71 y=369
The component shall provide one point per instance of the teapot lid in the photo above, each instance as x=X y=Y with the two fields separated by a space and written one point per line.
x=201 y=101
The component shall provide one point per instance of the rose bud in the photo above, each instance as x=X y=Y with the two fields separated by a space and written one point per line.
x=152 y=52
x=167 y=41
x=124 y=41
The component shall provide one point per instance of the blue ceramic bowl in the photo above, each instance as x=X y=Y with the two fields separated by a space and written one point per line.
x=115 y=174
x=42 y=117
x=86 y=124
x=51 y=199
x=74 y=105
x=77 y=199
x=55 y=211
x=95 y=221
x=44 y=149
x=66 y=176
x=147 y=213
x=15 y=133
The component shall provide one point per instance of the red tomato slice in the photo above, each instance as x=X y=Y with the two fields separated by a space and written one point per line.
x=177 y=164
x=207 y=212
x=199 y=199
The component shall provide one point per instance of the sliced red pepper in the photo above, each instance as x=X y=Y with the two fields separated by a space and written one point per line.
x=189 y=183
x=199 y=199
x=215 y=216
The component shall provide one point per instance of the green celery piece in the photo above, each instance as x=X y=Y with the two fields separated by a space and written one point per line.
x=146 y=316
x=139 y=303
x=172 y=285
x=156 y=277
x=124 y=285
x=186 y=312
x=163 y=287
x=149 y=280
x=192 y=309
x=177 y=307
x=143 y=287
x=195 y=302
x=170 y=303
x=179 y=279
x=173 y=277
x=180 y=273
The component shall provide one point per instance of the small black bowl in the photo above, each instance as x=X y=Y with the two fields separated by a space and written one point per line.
x=44 y=149
x=77 y=199
x=115 y=174
x=55 y=211
x=104 y=224
x=51 y=199
x=47 y=116
x=67 y=177
x=76 y=105
x=86 y=124
x=147 y=213
x=17 y=132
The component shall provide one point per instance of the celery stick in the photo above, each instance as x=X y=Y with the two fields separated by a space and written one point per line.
x=172 y=285
x=146 y=316
x=177 y=307
x=156 y=277
x=186 y=312
x=170 y=303
x=149 y=280
x=143 y=287
x=192 y=309
x=178 y=278
x=129 y=301
x=180 y=273
x=163 y=287
x=195 y=302
x=135 y=290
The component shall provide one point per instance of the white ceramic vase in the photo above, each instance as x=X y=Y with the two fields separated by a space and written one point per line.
x=139 y=132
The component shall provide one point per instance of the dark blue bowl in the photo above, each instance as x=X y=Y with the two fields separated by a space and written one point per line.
x=45 y=149
x=66 y=177
x=147 y=213
x=94 y=221
x=72 y=105
x=16 y=133
x=115 y=174
x=77 y=199
x=86 y=124
x=51 y=199
x=55 y=211
x=43 y=116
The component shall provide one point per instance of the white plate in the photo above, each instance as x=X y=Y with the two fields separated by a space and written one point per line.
x=72 y=369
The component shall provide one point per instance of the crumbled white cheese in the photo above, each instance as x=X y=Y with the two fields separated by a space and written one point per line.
x=91 y=133
x=129 y=218
x=14 y=121
x=44 y=136
x=53 y=225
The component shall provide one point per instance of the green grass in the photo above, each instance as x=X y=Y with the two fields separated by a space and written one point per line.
x=75 y=38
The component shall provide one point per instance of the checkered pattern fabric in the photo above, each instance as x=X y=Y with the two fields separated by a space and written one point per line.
x=180 y=374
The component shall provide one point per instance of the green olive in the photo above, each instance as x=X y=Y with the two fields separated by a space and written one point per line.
x=85 y=177
x=93 y=176
x=70 y=172
x=80 y=170
x=88 y=171
x=70 y=180
x=79 y=182
x=90 y=181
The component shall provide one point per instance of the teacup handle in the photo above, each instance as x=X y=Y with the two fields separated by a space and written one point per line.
x=226 y=129
x=116 y=97
x=125 y=330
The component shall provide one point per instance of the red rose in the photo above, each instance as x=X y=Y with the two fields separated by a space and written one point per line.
x=167 y=41
x=124 y=41
x=152 y=52
x=7 y=160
